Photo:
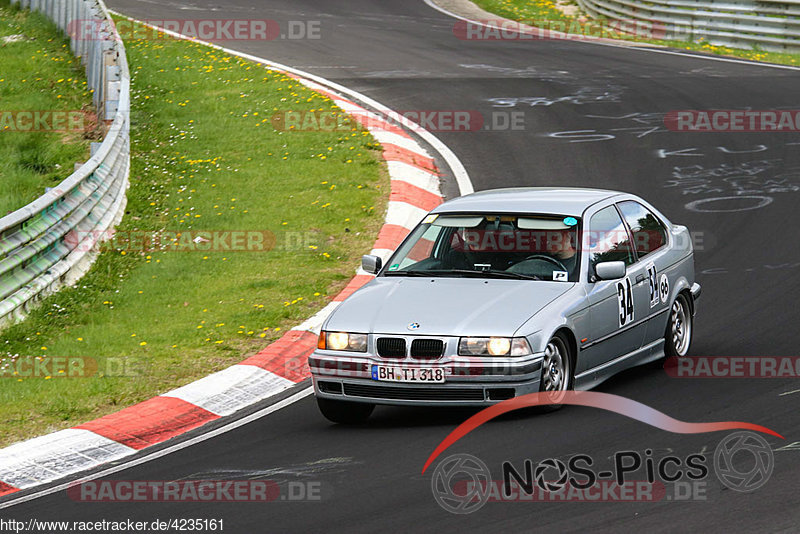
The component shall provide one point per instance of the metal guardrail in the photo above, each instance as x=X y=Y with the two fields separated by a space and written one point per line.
x=51 y=241
x=771 y=25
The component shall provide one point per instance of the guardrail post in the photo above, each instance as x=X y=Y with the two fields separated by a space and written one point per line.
x=111 y=92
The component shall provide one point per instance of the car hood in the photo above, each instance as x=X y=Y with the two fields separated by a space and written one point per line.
x=444 y=306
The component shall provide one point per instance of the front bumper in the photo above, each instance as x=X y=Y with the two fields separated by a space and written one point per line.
x=469 y=381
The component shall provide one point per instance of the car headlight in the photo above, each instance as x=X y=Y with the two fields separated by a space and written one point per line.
x=493 y=346
x=342 y=341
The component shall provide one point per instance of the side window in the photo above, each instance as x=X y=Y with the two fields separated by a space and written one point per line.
x=649 y=233
x=607 y=239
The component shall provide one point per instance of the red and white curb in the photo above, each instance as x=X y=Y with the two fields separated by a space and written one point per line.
x=414 y=192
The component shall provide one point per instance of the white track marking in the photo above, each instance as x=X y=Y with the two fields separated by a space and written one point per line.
x=169 y=450
x=314 y=324
x=404 y=172
x=53 y=456
x=230 y=390
x=384 y=136
x=404 y=214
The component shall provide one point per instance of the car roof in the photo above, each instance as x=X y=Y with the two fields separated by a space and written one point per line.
x=556 y=200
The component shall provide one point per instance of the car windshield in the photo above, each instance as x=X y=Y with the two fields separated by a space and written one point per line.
x=535 y=247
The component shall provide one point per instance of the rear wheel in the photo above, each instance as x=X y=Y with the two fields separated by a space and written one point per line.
x=344 y=412
x=678 y=336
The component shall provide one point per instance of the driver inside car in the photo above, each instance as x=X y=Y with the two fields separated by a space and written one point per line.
x=562 y=248
x=555 y=256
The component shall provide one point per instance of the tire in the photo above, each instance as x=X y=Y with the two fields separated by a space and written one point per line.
x=680 y=327
x=344 y=412
x=557 y=370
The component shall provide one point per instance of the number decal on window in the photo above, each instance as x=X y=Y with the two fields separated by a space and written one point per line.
x=625 y=301
x=652 y=280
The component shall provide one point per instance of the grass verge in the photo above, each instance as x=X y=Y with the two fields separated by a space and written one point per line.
x=541 y=12
x=205 y=157
x=38 y=74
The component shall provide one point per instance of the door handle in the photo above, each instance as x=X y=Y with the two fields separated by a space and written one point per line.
x=639 y=278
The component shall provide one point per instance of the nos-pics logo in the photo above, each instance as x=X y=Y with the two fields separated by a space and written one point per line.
x=462 y=484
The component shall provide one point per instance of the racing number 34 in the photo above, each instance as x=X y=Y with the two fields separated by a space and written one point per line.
x=653 y=283
x=625 y=300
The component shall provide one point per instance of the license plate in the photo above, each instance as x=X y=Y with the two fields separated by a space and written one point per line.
x=390 y=373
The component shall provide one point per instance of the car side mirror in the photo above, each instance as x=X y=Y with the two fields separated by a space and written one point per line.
x=373 y=264
x=610 y=270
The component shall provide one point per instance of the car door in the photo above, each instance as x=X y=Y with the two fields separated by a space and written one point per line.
x=618 y=308
x=650 y=243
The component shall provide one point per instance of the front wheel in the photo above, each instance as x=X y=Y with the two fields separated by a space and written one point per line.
x=678 y=336
x=556 y=370
x=344 y=412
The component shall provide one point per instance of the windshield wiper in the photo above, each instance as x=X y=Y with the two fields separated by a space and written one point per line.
x=489 y=273
x=510 y=274
x=407 y=273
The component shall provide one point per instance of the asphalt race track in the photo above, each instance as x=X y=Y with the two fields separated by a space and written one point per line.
x=406 y=56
